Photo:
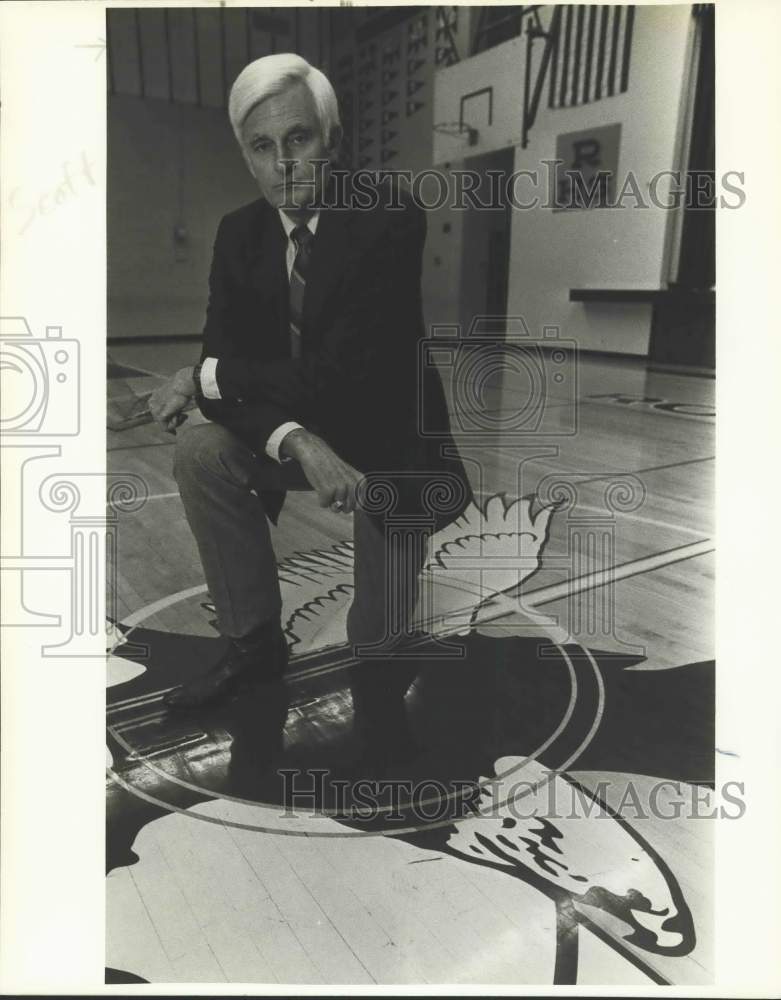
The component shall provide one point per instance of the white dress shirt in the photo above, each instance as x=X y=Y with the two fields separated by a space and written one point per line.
x=209 y=384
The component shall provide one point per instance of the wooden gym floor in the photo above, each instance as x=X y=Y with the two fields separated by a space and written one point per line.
x=210 y=881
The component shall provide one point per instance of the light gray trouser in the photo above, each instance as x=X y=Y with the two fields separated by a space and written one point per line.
x=216 y=472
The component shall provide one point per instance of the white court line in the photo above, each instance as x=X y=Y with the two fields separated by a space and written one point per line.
x=162 y=496
x=135 y=367
x=504 y=601
x=635 y=519
x=134 y=619
x=590 y=581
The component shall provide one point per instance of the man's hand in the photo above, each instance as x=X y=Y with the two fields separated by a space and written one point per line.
x=169 y=400
x=333 y=479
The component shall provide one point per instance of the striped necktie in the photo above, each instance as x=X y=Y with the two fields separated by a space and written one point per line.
x=302 y=237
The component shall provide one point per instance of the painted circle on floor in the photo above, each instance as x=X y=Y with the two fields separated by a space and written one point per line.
x=534 y=703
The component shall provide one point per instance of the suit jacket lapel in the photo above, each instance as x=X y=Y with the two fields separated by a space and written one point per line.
x=267 y=270
x=329 y=250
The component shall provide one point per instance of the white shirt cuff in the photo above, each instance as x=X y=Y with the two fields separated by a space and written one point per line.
x=209 y=386
x=275 y=439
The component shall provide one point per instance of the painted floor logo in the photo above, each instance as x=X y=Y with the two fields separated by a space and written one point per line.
x=520 y=709
x=658 y=404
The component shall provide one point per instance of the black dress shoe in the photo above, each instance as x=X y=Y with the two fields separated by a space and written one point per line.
x=243 y=665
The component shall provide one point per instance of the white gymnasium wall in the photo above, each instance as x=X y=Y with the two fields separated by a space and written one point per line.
x=172 y=157
x=552 y=252
x=168 y=165
x=500 y=68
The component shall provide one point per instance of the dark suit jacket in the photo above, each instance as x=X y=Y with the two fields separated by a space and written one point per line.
x=358 y=383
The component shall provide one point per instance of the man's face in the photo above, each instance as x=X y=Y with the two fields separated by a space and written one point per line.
x=286 y=127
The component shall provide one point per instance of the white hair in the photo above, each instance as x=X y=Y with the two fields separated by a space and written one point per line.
x=270 y=75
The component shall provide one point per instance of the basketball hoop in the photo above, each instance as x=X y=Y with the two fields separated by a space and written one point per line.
x=458 y=129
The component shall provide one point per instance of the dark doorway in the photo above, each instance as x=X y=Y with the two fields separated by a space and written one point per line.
x=683 y=330
x=485 y=261
x=697 y=265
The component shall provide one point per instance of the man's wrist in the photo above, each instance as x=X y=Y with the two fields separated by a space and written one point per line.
x=187 y=380
x=295 y=443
